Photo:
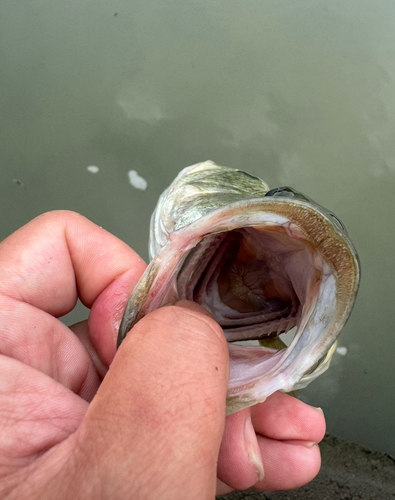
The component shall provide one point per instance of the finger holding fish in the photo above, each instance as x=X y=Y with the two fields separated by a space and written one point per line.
x=271 y=445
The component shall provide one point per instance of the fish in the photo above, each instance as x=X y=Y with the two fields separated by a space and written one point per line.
x=264 y=263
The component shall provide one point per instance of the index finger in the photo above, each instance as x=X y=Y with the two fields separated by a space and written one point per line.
x=62 y=256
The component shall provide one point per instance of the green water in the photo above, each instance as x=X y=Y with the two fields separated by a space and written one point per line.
x=299 y=93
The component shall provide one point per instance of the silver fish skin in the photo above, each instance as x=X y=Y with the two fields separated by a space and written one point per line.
x=262 y=262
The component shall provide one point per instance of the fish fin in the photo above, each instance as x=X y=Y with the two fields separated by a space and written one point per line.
x=273 y=343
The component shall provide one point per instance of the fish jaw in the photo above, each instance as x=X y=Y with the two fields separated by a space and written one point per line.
x=257 y=372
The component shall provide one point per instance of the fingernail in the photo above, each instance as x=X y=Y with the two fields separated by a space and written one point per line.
x=319 y=409
x=300 y=442
x=193 y=306
x=252 y=449
x=308 y=444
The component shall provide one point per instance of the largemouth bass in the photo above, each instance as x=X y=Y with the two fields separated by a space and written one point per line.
x=262 y=262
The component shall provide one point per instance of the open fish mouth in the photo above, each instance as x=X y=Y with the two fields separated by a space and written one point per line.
x=262 y=263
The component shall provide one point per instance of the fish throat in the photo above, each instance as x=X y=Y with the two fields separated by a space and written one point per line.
x=254 y=281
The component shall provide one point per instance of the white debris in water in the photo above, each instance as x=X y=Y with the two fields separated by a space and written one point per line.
x=342 y=350
x=137 y=181
x=92 y=169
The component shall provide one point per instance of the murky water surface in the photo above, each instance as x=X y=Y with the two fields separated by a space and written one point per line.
x=299 y=93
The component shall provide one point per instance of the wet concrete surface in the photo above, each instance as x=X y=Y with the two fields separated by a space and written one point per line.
x=348 y=472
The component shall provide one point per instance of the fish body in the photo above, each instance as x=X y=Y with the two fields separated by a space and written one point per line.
x=262 y=262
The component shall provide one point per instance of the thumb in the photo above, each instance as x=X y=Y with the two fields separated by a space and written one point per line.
x=155 y=426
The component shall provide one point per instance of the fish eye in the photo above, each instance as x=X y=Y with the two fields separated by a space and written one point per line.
x=285 y=191
x=288 y=192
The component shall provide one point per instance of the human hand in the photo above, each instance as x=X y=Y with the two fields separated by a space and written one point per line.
x=153 y=427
